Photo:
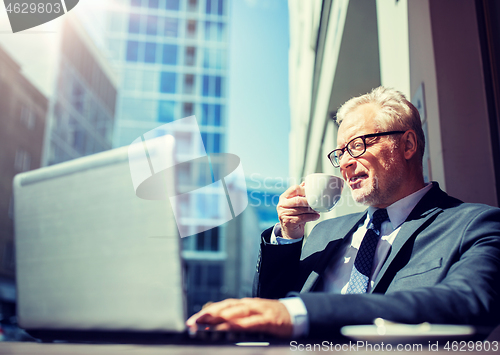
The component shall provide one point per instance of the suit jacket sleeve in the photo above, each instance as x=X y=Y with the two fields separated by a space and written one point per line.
x=277 y=268
x=464 y=289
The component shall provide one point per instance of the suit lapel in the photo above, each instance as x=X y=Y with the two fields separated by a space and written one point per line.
x=421 y=215
x=332 y=244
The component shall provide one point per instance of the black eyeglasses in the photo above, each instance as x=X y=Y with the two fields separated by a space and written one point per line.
x=356 y=147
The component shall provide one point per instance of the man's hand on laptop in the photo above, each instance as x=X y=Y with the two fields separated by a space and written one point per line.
x=247 y=314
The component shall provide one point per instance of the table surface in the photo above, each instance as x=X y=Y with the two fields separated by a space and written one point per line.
x=13 y=348
x=206 y=348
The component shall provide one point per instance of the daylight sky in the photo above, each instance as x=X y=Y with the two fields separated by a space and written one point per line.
x=259 y=113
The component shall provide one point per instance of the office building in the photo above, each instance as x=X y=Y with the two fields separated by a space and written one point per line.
x=171 y=58
x=23 y=109
x=260 y=214
x=48 y=116
x=82 y=106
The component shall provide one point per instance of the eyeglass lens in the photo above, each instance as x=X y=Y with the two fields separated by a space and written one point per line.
x=356 y=147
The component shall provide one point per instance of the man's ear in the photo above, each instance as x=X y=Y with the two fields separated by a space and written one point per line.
x=410 y=143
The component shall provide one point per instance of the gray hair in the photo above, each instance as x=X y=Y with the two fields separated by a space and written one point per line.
x=396 y=112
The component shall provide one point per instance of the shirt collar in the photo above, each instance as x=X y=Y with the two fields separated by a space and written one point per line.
x=400 y=210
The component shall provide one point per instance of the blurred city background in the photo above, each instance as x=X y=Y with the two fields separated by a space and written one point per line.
x=264 y=80
x=109 y=71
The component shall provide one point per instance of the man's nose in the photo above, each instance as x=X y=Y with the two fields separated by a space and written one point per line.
x=346 y=160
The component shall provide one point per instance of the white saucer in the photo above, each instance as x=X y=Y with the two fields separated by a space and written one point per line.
x=407 y=333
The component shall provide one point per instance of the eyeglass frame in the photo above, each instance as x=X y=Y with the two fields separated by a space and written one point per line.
x=363 y=138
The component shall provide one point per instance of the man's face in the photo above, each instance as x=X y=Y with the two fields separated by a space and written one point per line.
x=376 y=176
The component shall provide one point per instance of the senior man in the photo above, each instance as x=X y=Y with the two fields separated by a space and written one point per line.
x=415 y=255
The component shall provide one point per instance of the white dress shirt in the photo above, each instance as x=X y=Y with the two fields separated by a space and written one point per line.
x=338 y=273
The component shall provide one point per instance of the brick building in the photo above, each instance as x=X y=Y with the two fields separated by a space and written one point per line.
x=23 y=110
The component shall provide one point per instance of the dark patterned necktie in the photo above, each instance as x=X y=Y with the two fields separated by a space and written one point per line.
x=363 y=263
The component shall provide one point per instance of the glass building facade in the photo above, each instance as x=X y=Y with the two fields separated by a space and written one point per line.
x=82 y=108
x=171 y=57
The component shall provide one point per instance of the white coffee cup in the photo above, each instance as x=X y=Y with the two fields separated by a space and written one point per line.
x=323 y=191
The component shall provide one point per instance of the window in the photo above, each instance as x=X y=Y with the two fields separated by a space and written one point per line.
x=212 y=86
x=22 y=161
x=205 y=114
x=220 y=8
x=132 y=51
x=135 y=3
x=200 y=241
x=150 y=54
x=131 y=79
x=152 y=25
x=9 y=256
x=190 y=57
x=210 y=31
x=188 y=109
x=220 y=63
x=210 y=58
x=206 y=58
x=207 y=30
x=28 y=117
x=166 y=111
x=183 y=173
x=78 y=97
x=193 y=5
x=79 y=138
x=149 y=80
x=59 y=117
x=169 y=54
x=221 y=32
x=206 y=85
x=184 y=142
x=172 y=5
x=133 y=108
x=171 y=27
x=217 y=115
x=188 y=83
x=115 y=22
x=115 y=48
x=167 y=82
x=212 y=143
x=134 y=23
x=106 y=131
x=191 y=29
x=216 y=143
x=204 y=138
x=90 y=146
x=208 y=241
x=211 y=4
x=218 y=86
x=214 y=58
x=153 y=4
x=211 y=115
x=11 y=207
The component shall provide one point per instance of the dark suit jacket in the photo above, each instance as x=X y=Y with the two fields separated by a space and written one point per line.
x=443 y=267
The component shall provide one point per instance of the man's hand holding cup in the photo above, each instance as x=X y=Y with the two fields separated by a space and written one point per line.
x=302 y=203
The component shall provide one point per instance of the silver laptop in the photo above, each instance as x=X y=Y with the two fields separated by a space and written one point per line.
x=91 y=255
